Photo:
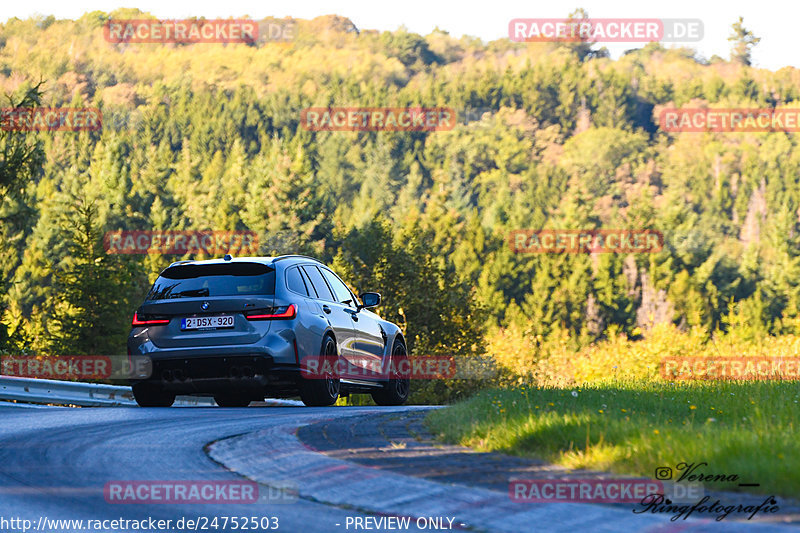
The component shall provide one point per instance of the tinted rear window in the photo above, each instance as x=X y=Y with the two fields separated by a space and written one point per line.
x=295 y=281
x=217 y=279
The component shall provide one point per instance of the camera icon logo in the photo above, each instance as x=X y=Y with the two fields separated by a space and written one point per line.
x=663 y=473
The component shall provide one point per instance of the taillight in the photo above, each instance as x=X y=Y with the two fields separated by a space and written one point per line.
x=273 y=313
x=148 y=320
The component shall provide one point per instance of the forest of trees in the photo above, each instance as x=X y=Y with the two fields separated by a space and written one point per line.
x=551 y=135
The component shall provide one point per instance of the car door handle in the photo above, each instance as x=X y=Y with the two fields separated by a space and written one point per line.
x=326 y=309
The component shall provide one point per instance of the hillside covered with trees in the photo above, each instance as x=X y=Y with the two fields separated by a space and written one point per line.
x=549 y=135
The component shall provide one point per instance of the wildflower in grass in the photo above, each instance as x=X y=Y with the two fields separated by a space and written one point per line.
x=575 y=393
x=656 y=431
x=599 y=410
x=692 y=407
x=624 y=410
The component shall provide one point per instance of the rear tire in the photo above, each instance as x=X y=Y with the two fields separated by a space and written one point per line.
x=322 y=391
x=396 y=391
x=149 y=395
x=232 y=400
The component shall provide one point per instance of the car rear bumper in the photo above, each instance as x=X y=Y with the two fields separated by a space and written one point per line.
x=254 y=375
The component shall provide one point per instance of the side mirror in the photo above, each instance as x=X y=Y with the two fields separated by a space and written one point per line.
x=369 y=299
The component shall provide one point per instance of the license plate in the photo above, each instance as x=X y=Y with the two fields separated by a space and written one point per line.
x=207 y=322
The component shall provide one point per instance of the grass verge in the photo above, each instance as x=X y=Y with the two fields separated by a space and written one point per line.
x=742 y=428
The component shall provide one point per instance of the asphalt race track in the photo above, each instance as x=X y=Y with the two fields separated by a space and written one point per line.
x=55 y=463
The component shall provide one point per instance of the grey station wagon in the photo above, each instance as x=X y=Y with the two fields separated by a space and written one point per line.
x=242 y=329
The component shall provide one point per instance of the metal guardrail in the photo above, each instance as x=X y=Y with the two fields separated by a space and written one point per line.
x=51 y=391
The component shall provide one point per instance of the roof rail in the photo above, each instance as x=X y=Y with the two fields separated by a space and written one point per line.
x=288 y=256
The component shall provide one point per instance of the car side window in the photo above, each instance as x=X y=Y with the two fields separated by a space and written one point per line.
x=312 y=292
x=340 y=290
x=318 y=282
x=295 y=282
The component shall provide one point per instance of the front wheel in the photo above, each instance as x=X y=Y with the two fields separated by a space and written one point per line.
x=396 y=391
x=147 y=395
x=322 y=390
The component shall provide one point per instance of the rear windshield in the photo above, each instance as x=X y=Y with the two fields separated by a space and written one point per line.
x=217 y=279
